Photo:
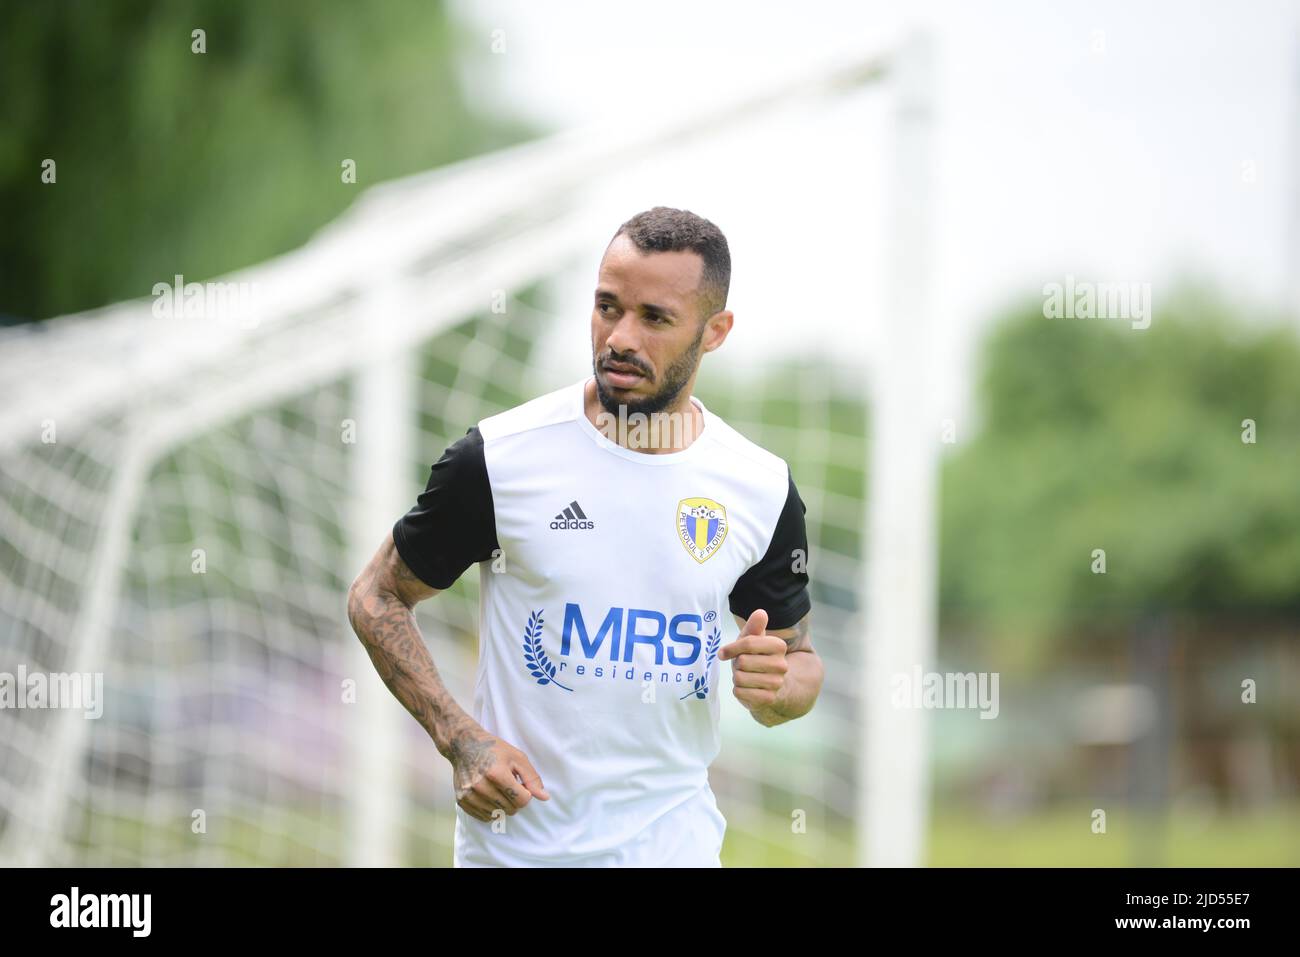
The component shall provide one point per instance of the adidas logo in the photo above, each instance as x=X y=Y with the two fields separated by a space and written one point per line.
x=572 y=517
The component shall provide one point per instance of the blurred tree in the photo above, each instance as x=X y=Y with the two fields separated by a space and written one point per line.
x=171 y=161
x=1099 y=436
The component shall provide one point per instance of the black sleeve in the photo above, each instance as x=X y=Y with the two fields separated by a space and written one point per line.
x=773 y=583
x=452 y=524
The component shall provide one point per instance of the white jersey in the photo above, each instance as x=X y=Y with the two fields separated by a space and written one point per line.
x=606 y=575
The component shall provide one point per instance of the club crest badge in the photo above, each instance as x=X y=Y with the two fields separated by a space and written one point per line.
x=701 y=526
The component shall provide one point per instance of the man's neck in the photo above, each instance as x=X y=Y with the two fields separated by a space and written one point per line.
x=670 y=430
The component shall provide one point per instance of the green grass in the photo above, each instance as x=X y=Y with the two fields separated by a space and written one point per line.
x=957 y=838
x=1064 y=838
x=1269 y=838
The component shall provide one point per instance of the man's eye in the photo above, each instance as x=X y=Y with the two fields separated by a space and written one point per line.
x=605 y=305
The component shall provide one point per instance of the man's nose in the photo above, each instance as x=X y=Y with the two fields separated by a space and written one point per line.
x=625 y=336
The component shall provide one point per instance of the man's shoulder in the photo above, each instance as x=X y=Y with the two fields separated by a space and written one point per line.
x=553 y=408
x=733 y=443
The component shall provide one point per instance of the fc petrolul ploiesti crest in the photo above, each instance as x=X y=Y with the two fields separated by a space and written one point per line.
x=701 y=525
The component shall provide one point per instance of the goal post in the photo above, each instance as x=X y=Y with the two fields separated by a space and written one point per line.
x=899 y=574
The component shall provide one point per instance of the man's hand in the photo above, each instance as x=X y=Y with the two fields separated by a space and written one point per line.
x=776 y=674
x=758 y=664
x=488 y=774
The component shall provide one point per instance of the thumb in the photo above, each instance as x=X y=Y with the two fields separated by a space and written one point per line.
x=530 y=778
x=756 y=625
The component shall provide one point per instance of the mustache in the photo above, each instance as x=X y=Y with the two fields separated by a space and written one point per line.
x=631 y=361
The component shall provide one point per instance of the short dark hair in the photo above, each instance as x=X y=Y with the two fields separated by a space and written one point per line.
x=664 y=230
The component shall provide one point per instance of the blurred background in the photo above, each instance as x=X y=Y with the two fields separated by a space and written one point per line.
x=1100 y=512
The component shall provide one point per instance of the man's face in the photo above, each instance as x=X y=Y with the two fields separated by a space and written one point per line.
x=646 y=328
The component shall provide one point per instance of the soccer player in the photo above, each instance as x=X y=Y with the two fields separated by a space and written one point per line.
x=613 y=521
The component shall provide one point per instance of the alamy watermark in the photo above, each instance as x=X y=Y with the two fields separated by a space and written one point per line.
x=130 y=911
x=1098 y=300
x=219 y=301
x=642 y=430
x=948 y=689
x=56 y=689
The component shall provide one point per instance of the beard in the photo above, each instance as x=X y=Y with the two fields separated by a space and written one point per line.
x=675 y=377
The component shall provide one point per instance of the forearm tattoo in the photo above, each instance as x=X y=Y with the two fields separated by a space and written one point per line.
x=388 y=631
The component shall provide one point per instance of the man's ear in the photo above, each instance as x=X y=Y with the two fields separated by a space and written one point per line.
x=716 y=328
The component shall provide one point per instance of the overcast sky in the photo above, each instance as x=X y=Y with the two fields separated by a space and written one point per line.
x=1111 y=141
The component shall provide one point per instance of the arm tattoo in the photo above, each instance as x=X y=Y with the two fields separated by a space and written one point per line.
x=471 y=755
x=799 y=641
x=388 y=631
